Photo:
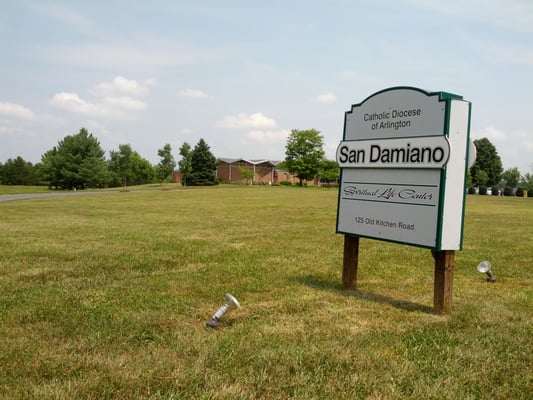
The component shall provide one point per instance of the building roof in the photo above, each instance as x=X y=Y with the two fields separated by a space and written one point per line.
x=253 y=162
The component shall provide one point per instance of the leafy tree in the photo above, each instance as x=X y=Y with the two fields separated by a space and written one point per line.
x=526 y=180
x=203 y=165
x=184 y=164
x=527 y=183
x=246 y=174
x=129 y=168
x=282 y=165
x=166 y=165
x=304 y=153
x=487 y=160
x=120 y=163
x=511 y=177
x=482 y=178
x=18 y=172
x=50 y=168
x=77 y=162
x=93 y=172
x=329 y=171
x=141 y=169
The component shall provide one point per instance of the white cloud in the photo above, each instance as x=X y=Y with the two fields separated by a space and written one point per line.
x=194 y=94
x=121 y=108
x=116 y=100
x=326 y=98
x=73 y=103
x=247 y=121
x=122 y=86
x=16 y=111
x=150 y=82
x=124 y=103
x=18 y=122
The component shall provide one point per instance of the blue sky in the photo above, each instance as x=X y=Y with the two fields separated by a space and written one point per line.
x=242 y=74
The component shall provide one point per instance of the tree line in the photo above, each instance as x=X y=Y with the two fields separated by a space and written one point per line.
x=78 y=162
x=487 y=172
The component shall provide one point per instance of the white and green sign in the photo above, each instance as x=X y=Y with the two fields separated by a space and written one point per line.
x=403 y=159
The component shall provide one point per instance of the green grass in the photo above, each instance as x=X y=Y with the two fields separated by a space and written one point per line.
x=106 y=297
x=19 y=189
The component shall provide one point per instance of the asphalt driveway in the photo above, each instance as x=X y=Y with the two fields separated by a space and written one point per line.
x=8 y=197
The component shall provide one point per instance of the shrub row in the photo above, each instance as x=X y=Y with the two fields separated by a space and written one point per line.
x=495 y=191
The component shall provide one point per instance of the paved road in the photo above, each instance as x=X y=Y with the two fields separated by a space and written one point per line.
x=8 y=197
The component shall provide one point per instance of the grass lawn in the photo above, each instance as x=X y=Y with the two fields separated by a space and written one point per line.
x=16 y=189
x=106 y=297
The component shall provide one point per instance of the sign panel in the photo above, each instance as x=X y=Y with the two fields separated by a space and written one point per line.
x=423 y=152
x=396 y=112
x=394 y=157
x=394 y=207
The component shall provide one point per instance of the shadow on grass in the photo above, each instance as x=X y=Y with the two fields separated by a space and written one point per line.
x=335 y=286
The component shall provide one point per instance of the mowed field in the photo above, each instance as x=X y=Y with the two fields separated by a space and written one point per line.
x=106 y=297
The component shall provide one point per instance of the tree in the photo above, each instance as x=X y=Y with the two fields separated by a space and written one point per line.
x=141 y=169
x=18 y=172
x=166 y=165
x=77 y=162
x=120 y=163
x=129 y=168
x=246 y=174
x=185 y=162
x=487 y=160
x=304 y=153
x=203 y=165
x=50 y=168
x=329 y=171
x=527 y=183
x=93 y=172
x=482 y=178
x=282 y=165
x=511 y=177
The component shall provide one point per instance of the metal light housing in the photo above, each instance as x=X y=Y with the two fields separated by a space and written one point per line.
x=230 y=303
x=485 y=267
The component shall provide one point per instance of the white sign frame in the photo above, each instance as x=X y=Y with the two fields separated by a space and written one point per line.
x=404 y=159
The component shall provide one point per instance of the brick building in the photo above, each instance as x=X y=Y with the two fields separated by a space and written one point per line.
x=262 y=172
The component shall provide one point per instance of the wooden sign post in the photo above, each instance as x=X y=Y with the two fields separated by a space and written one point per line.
x=350 y=261
x=443 y=281
x=404 y=158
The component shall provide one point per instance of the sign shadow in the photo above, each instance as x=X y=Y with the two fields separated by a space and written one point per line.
x=331 y=285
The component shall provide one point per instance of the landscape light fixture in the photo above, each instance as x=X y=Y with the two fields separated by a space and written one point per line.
x=485 y=268
x=230 y=303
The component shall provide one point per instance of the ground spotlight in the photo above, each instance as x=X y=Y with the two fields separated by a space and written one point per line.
x=230 y=303
x=485 y=268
